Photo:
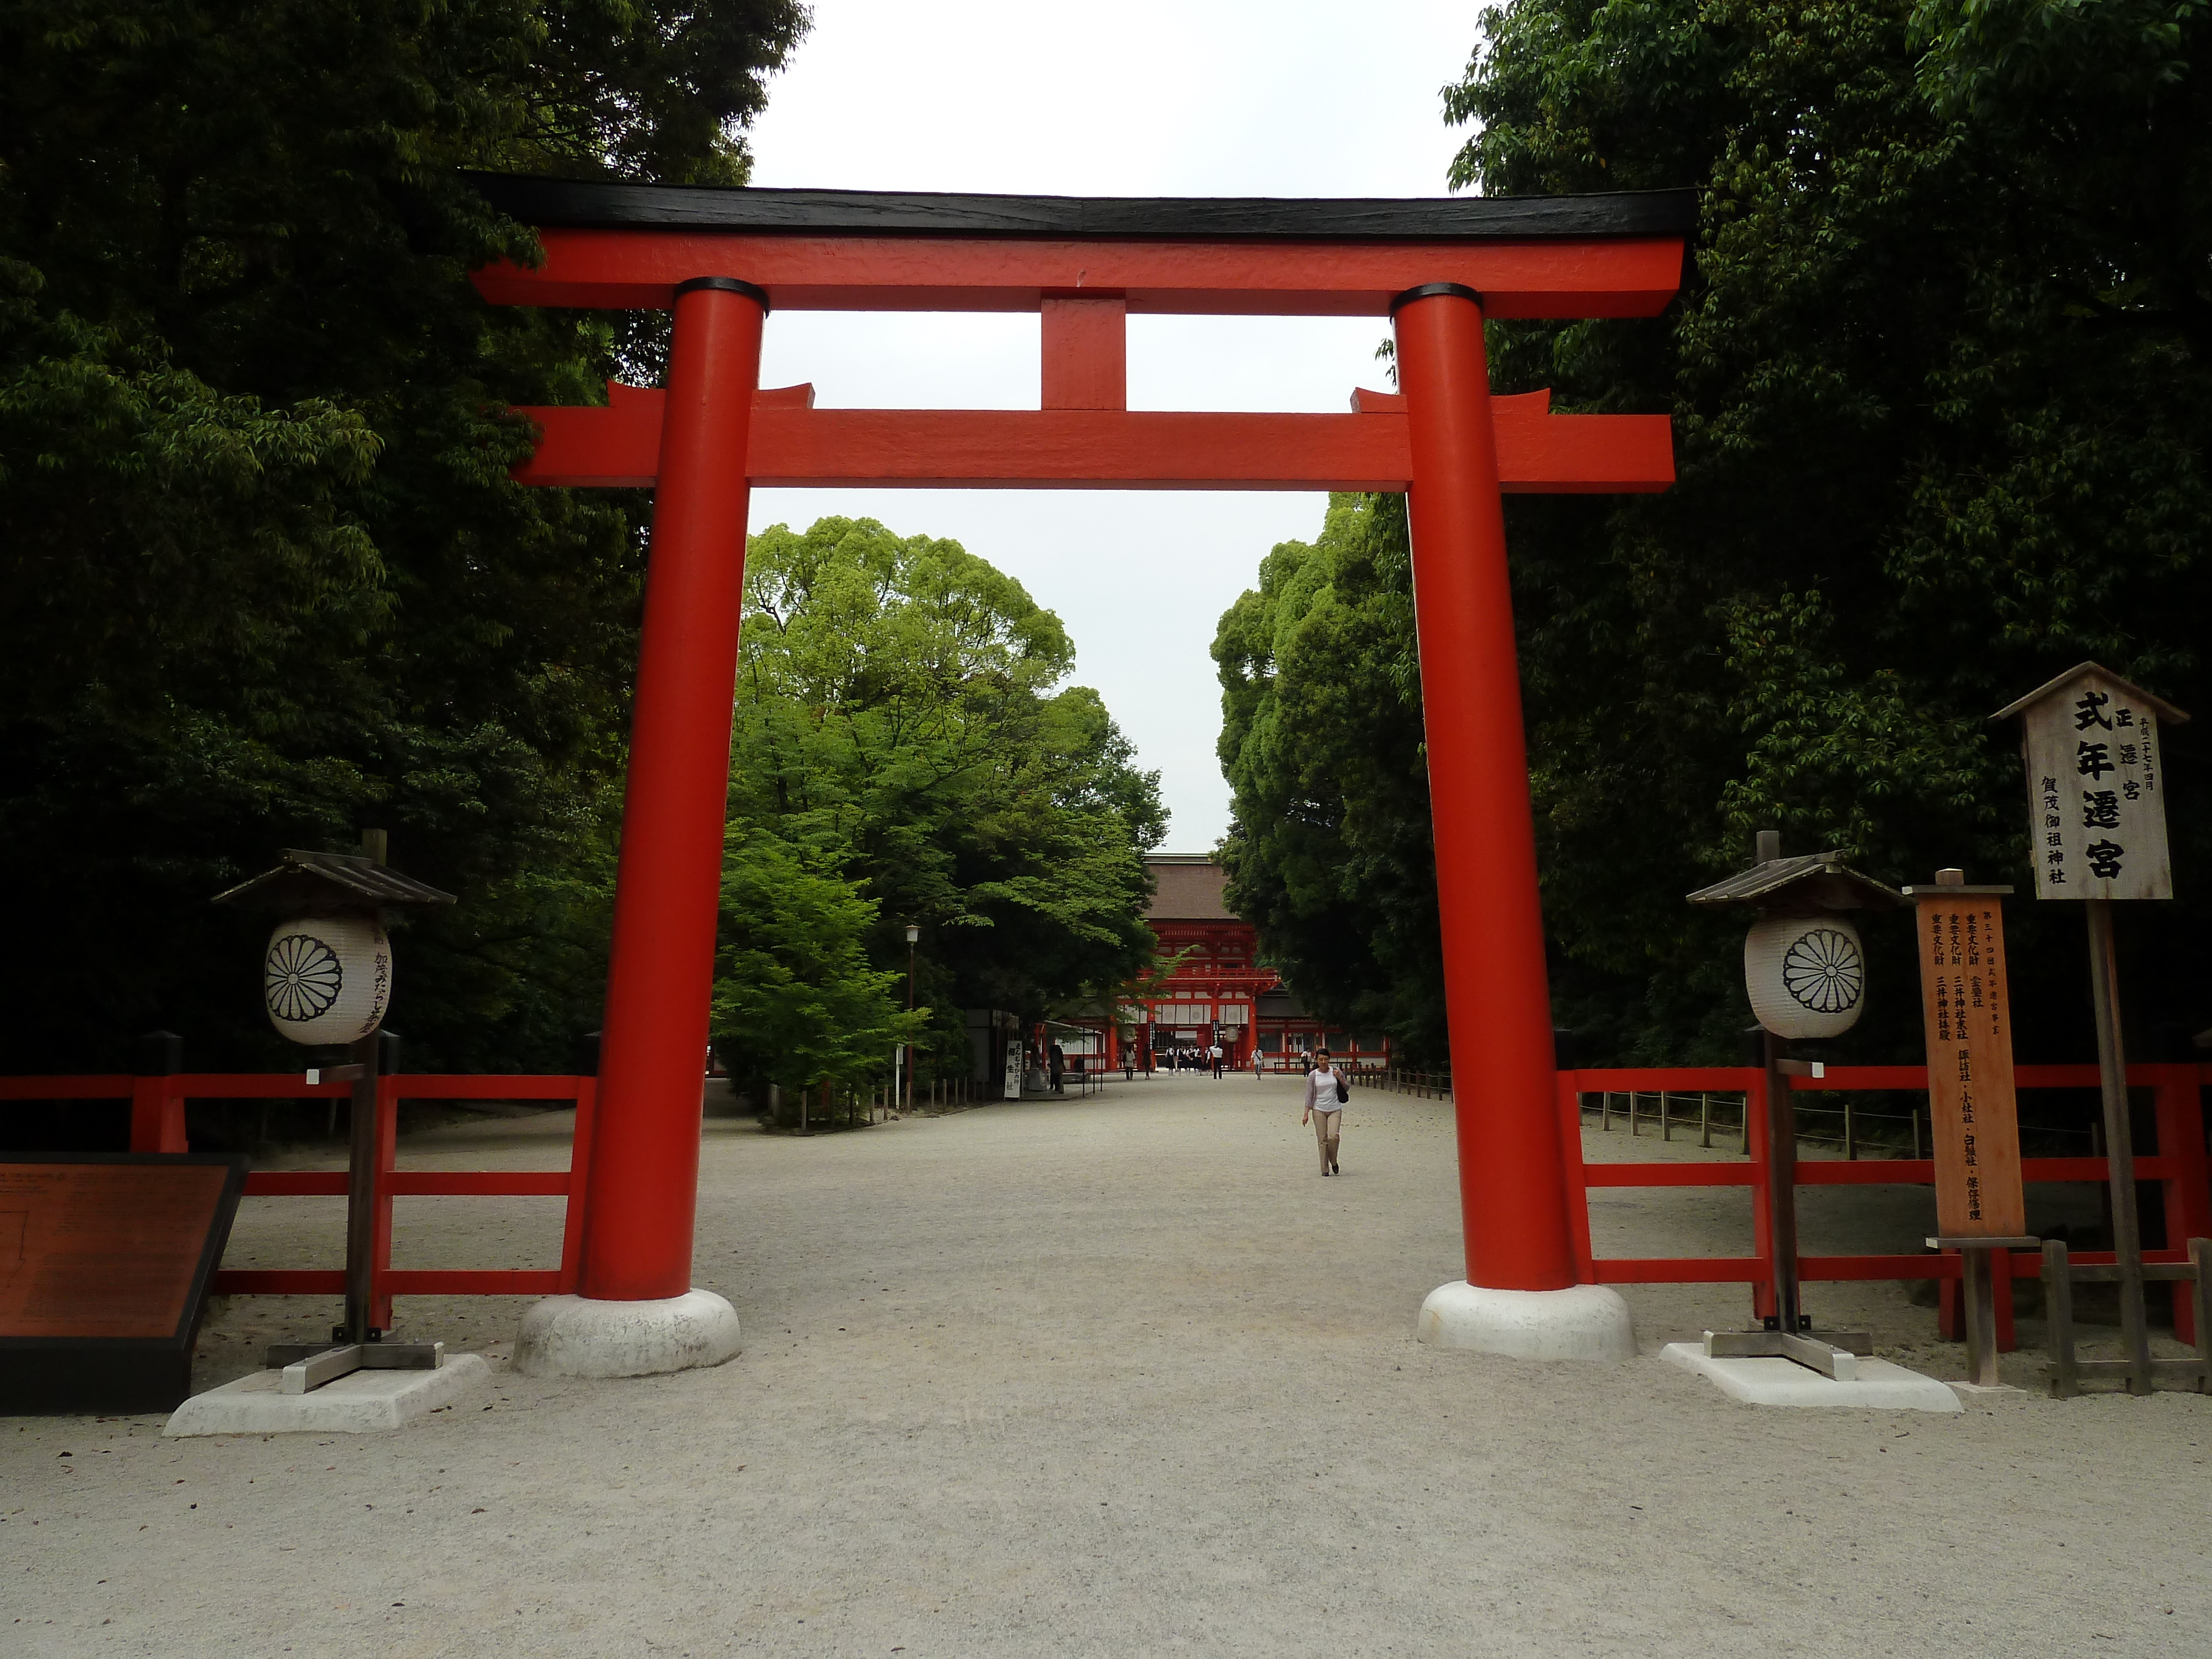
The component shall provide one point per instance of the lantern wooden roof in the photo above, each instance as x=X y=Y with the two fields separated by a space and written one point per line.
x=304 y=882
x=1810 y=881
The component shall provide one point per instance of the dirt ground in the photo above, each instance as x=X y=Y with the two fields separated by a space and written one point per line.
x=1120 y=1376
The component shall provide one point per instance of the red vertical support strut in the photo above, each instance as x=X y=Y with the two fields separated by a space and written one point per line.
x=1497 y=997
x=643 y=1183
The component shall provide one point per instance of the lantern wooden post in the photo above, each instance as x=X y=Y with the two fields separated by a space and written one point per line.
x=329 y=965
x=1805 y=974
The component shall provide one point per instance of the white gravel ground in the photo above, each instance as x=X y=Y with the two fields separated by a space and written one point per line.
x=1115 y=1376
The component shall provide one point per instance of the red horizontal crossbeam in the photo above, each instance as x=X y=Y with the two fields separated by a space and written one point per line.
x=413 y=1184
x=1860 y=1172
x=1676 y=1079
x=291 y=1085
x=278 y=1281
x=1833 y=1269
x=295 y=1183
x=792 y=444
x=1668 y=1175
x=1679 y=1270
x=464 y=1085
x=425 y=1281
x=72 y=1087
x=634 y=270
x=469 y=1281
x=1734 y=1079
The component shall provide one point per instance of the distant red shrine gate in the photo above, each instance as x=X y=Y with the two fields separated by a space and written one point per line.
x=720 y=259
x=1219 y=989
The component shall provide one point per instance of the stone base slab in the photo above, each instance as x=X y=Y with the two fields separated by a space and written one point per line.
x=365 y=1402
x=1879 y=1386
x=1582 y=1321
x=575 y=1336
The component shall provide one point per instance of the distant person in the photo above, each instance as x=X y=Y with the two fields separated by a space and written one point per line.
x=1058 y=1059
x=1128 y=1065
x=1255 y=1062
x=1215 y=1054
x=1326 y=1092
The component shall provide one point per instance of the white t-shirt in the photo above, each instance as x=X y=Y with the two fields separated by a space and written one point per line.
x=1321 y=1090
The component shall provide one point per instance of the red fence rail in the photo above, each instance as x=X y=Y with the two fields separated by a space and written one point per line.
x=157 y=1125
x=2179 y=1165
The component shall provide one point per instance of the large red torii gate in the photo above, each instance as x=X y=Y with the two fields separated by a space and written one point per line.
x=721 y=258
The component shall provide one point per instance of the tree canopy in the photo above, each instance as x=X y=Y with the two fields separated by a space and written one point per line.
x=1329 y=856
x=1940 y=408
x=905 y=753
x=263 y=576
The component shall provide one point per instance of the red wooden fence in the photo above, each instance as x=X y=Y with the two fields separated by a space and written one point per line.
x=2179 y=1163
x=157 y=1125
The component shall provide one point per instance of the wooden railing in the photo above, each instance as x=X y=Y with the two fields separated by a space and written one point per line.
x=157 y=1125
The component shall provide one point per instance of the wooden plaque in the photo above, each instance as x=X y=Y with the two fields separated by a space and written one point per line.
x=105 y=1260
x=2096 y=786
x=1972 y=1110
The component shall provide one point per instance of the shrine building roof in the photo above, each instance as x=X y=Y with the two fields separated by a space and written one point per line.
x=1189 y=889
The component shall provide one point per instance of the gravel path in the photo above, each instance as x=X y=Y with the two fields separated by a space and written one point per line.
x=1115 y=1377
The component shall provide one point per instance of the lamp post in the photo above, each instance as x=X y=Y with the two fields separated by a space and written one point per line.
x=326 y=978
x=1804 y=969
x=913 y=934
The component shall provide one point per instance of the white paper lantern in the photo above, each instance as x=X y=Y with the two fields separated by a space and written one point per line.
x=327 y=979
x=1806 y=974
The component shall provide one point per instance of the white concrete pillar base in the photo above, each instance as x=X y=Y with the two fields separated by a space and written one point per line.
x=1583 y=1322
x=574 y=1336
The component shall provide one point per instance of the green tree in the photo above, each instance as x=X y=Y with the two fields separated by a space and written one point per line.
x=263 y=574
x=797 y=1002
x=1328 y=852
x=901 y=726
x=1941 y=411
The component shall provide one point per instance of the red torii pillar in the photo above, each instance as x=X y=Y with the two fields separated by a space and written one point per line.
x=1445 y=440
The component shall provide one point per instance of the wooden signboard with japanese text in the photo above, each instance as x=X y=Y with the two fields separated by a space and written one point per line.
x=2096 y=792
x=105 y=1260
x=1972 y=1111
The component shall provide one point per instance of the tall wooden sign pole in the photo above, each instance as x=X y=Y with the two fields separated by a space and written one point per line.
x=2096 y=815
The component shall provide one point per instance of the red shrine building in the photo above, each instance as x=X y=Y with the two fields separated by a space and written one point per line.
x=1219 y=991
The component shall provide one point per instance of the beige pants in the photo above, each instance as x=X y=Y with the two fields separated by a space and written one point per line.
x=1325 y=1126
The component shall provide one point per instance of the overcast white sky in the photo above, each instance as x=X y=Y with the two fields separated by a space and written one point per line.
x=1193 y=98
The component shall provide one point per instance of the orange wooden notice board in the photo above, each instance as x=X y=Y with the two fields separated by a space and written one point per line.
x=102 y=1249
x=1974 y=1114
x=104 y=1260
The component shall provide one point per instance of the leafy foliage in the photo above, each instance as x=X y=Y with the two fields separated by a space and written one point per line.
x=263 y=574
x=1330 y=854
x=899 y=742
x=796 y=999
x=1940 y=409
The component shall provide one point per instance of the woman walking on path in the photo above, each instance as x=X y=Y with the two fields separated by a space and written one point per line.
x=1326 y=1091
